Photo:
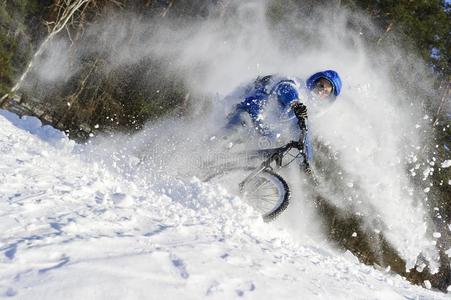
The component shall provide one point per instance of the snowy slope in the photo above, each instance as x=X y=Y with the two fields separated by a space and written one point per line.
x=71 y=229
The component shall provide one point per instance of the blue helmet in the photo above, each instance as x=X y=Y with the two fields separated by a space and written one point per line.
x=329 y=75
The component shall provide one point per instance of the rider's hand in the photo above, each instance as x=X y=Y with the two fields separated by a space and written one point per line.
x=300 y=110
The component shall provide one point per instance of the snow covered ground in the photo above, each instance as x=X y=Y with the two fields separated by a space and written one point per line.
x=72 y=229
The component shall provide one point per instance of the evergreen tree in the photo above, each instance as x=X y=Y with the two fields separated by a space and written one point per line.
x=424 y=25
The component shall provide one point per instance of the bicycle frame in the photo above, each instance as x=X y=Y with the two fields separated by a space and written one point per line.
x=276 y=155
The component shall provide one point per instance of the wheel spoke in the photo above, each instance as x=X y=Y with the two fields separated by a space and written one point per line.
x=268 y=200
x=258 y=196
x=274 y=193
x=262 y=184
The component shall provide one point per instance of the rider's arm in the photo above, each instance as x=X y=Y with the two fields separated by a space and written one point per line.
x=300 y=111
x=286 y=92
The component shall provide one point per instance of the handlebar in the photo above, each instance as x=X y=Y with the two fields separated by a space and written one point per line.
x=276 y=154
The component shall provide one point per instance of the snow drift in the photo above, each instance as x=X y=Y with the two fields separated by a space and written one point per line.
x=73 y=229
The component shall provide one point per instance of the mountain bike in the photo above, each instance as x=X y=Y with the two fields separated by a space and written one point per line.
x=261 y=186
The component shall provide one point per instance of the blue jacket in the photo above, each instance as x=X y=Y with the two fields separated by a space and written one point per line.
x=286 y=90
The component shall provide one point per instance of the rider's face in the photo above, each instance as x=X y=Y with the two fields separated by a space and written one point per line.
x=323 y=88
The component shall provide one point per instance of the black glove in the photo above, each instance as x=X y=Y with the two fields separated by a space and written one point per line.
x=300 y=110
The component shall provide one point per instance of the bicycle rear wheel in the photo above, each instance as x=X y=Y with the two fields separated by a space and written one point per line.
x=267 y=193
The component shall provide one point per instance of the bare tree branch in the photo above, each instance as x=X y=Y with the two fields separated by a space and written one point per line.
x=163 y=14
x=65 y=13
x=444 y=98
x=387 y=30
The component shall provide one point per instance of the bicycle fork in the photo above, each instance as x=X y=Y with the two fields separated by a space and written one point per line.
x=264 y=166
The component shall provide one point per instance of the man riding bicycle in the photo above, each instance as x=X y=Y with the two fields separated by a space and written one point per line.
x=274 y=108
x=271 y=102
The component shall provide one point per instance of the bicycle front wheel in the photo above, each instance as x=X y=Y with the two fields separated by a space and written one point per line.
x=267 y=192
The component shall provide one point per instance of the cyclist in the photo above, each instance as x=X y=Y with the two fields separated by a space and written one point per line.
x=270 y=102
